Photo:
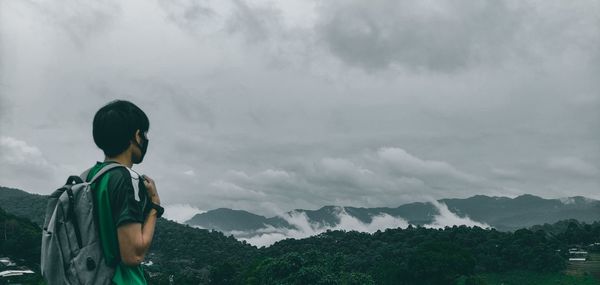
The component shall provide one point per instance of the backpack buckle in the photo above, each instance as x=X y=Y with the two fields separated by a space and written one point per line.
x=90 y=263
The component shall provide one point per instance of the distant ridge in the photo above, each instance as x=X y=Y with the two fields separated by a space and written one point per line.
x=23 y=204
x=224 y=219
x=502 y=213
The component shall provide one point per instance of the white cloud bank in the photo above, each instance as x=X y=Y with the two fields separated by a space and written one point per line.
x=180 y=212
x=269 y=235
x=20 y=159
x=15 y=151
x=446 y=218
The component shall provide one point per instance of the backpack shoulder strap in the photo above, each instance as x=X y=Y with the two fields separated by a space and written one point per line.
x=85 y=174
x=104 y=170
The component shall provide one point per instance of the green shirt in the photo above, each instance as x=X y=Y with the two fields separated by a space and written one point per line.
x=116 y=204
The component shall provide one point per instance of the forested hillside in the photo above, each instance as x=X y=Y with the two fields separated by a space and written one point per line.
x=415 y=255
x=23 y=204
x=20 y=239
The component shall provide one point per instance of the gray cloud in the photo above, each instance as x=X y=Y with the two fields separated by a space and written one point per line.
x=4 y=108
x=419 y=35
x=190 y=15
x=386 y=177
x=574 y=165
x=403 y=162
x=79 y=20
x=189 y=105
x=255 y=23
x=454 y=35
x=266 y=106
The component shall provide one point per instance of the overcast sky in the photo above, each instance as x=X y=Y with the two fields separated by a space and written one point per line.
x=268 y=106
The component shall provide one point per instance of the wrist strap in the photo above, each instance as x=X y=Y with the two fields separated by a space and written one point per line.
x=159 y=210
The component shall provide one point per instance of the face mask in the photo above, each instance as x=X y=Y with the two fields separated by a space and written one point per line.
x=143 y=147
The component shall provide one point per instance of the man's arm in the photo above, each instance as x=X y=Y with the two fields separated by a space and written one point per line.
x=135 y=238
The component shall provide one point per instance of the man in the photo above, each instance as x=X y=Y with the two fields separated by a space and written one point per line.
x=126 y=204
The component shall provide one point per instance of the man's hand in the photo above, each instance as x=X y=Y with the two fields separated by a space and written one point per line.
x=151 y=189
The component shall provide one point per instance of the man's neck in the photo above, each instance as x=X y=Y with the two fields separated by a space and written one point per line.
x=123 y=158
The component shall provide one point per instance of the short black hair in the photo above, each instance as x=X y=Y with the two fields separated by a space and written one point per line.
x=115 y=125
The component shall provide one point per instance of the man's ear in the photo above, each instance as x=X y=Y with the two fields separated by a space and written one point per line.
x=138 y=134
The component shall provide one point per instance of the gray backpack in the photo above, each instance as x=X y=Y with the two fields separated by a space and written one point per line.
x=71 y=250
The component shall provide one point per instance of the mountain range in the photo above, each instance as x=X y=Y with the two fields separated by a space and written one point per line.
x=501 y=213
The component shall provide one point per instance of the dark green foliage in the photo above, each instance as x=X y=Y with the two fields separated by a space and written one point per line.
x=311 y=267
x=475 y=280
x=520 y=277
x=223 y=273
x=20 y=238
x=440 y=263
x=577 y=233
x=195 y=255
x=405 y=256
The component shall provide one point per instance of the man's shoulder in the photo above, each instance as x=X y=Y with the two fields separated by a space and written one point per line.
x=115 y=176
x=119 y=173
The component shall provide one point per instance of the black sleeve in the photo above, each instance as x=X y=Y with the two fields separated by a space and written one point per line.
x=125 y=207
